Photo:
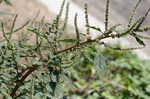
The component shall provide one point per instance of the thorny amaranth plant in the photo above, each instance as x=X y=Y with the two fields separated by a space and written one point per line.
x=44 y=64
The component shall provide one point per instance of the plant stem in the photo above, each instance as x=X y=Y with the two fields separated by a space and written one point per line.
x=19 y=83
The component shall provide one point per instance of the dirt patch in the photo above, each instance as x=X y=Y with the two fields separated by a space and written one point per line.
x=25 y=9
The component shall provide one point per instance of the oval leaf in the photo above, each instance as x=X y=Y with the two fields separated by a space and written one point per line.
x=100 y=64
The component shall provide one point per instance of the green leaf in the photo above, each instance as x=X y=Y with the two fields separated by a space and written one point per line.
x=131 y=28
x=8 y=2
x=113 y=28
x=95 y=28
x=67 y=40
x=100 y=64
x=148 y=88
x=139 y=41
x=53 y=87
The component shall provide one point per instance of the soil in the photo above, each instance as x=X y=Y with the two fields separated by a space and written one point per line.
x=26 y=10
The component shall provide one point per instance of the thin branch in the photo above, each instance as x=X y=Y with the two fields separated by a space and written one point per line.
x=66 y=17
x=107 y=15
x=87 y=19
x=19 y=83
x=90 y=41
x=3 y=31
x=12 y=27
x=21 y=27
x=76 y=29
x=61 y=8
x=134 y=12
